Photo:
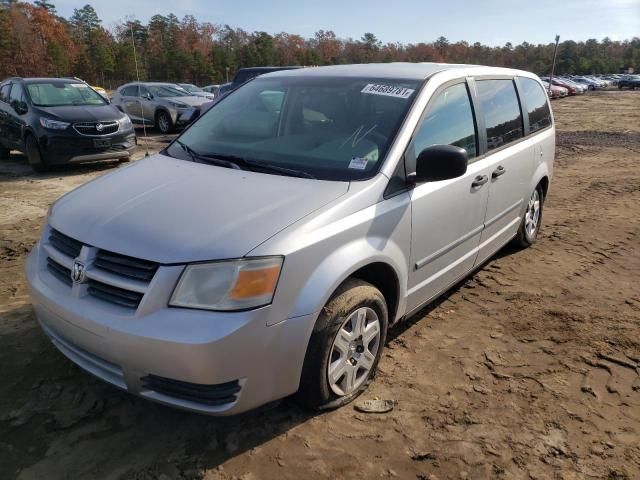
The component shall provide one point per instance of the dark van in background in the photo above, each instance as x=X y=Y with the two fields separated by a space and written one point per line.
x=60 y=120
x=243 y=75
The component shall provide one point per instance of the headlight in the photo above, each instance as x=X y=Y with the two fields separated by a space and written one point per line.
x=125 y=123
x=178 y=105
x=53 y=124
x=228 y=285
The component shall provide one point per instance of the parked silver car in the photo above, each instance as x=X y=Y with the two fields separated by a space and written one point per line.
x=268 y=249
x=192 y=89
x=158 y=104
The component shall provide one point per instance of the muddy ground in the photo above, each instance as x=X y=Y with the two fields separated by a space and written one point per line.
x=528 y=369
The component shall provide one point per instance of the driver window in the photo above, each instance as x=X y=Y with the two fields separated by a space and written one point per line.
x=449 y=121
x=16 y=95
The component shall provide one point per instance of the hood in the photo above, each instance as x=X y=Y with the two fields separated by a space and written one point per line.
x=191 y=100
x=175 y=211
x=83 y=113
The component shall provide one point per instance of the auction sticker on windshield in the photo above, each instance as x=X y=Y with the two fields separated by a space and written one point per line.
x=387 y=90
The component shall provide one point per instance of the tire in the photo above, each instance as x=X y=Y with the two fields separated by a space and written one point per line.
x=163 y=122
x=34 y=155
x=530 y=225
x=357 y=306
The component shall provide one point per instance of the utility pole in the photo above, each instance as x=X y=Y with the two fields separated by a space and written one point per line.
x=553 y=65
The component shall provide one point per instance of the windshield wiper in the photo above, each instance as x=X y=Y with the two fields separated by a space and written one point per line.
x=213 y=160
x=278 y=169
x=241 y=163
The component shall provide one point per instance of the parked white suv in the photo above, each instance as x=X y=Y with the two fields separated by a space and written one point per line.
x=269 y=248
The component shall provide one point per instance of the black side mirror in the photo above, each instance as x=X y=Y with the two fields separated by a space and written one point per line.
x=440 y=162
x=148 y=96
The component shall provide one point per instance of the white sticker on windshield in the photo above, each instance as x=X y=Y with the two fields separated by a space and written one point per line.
x=358 y=163
x=387 y=90
x=77 y=85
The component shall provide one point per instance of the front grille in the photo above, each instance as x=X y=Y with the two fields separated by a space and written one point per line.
x=116 y=149
x=66 y=245
x=91 y=128
x=61 y=273
x=211 y=395
x=111 y=294
x=99 y=285
x=125 y=266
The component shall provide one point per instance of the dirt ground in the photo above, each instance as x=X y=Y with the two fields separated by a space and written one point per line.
x=528 y=369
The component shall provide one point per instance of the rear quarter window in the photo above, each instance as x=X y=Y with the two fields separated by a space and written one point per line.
x=501 y=111
x=537 y=106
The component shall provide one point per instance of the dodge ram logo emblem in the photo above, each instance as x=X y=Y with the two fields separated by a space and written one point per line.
x=77 y=272
x=99 y=127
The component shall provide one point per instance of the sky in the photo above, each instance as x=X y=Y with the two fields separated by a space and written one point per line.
x=492 y=22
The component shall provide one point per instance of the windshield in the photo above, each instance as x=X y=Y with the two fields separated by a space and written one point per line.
x=191 y=88
x=167 y=91
x=59 y=94
x=331 y=128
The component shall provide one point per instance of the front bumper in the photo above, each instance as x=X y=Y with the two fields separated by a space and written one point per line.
x=184 y=117
x=68 y=147
x=220 y=351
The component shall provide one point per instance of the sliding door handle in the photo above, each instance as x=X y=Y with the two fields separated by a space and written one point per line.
x=479 y=181
x=498 y=171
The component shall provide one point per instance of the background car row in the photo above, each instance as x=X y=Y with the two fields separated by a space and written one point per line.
x=564 y=85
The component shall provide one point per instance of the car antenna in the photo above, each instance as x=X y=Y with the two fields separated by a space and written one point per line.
x=135 y=59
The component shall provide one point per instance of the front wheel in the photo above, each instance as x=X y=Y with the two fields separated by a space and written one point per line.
x=528 y=231
x=345 y=347
x=34 y=155
x=163 y=120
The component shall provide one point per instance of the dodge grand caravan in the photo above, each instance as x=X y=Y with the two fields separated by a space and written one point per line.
x=268 y=249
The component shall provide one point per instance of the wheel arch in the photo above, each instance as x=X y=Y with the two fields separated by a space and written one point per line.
x=544 y=184
x=382 y=276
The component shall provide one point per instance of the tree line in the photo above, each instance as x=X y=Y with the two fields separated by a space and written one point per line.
x=36 y=41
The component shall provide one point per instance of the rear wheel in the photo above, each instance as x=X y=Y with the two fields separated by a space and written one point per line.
x=345 y=347
x=163 y=121
x=34 y=155
x=528 y=231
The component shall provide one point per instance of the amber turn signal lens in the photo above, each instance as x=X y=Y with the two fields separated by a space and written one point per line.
x=255 y=283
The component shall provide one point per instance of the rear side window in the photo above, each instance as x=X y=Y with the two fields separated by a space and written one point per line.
x=449 y=121
x=536 y=101
x=501 y=112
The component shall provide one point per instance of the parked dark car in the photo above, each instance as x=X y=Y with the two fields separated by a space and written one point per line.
x=630 y=81
x=61 y=120
x=245 y=74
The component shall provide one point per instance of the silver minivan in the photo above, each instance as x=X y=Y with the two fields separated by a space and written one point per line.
x=267 y=251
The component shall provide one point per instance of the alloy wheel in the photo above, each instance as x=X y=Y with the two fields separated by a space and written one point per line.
x=163 y=123
x=354 y=350
x=532 y=215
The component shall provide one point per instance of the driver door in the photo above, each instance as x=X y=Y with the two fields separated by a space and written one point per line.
x=448 y=215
